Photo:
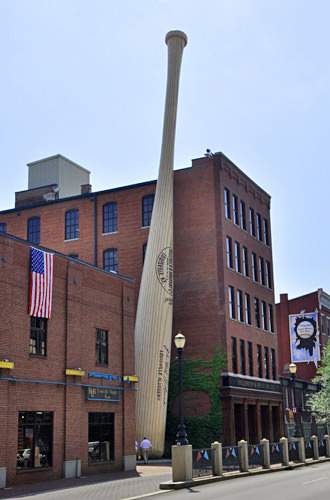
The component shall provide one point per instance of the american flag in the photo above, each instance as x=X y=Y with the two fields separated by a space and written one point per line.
x=41 y=284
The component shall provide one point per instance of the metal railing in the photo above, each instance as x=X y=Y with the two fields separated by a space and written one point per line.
x=322 y=448
x=309 y=450
x=293 y=451
x=230 y=458
x=202 y=460
x=255 y=456
x=275 y=453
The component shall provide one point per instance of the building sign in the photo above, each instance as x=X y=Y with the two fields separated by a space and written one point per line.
x=246 y=383
x=103 y=393
x=304 y=338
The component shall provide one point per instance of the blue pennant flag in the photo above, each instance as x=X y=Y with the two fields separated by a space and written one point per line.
x=234 y=453
x=206 y=455
x=294 y=446
x=257 y=450
x=310 y=444
x=277 y=448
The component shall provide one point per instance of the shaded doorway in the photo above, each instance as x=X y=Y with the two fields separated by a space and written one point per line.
x=239 y=422
x=264 y=413
x=252 y=422
x=276 y=423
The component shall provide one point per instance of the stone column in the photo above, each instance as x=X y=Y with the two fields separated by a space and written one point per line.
x=265 y=444
x=315 y=444
x=301 y=448
x=327 y=444
x=181 y=463
x=285 y=450
x=244 y=457
x=217 y=464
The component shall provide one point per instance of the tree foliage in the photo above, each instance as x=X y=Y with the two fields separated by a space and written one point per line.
x=319 y=402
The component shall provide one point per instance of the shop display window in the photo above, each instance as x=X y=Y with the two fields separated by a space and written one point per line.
x=100 y=437
x=35 y=437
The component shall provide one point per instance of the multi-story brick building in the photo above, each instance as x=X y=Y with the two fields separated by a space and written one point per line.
x=65 y=404
x=223 y=271
x=303 y=332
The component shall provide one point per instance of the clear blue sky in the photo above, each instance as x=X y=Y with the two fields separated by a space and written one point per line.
x=87 y=79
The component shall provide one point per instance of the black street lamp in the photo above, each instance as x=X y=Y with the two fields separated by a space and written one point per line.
x=293 y=370
x=181 y=436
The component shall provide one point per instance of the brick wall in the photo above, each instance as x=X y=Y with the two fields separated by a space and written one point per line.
x=84 y=298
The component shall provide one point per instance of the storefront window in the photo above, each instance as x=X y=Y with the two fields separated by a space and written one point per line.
x=101 y=437
x=35 y=436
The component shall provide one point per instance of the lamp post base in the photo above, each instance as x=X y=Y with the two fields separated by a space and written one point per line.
x=181 y=437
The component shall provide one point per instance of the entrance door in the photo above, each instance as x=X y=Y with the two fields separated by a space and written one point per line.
x=276 y=423
x=239 y=422
x=252 y=421
x=264 y=413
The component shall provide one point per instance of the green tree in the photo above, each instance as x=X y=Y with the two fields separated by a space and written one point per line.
x=319 y=402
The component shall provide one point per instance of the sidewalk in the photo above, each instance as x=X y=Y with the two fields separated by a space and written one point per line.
x=145 y=480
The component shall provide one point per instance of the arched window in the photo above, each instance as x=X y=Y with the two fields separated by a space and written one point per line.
x=147 y=206
x=110 y=217
x=33 y=230
x=110 y=260
x=72 y=224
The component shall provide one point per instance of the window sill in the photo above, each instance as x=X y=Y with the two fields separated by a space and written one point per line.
x=145 y=227
x=28 y=470
x=101 y=463
x=72 y=239
x=38 y=356
x=110 y=232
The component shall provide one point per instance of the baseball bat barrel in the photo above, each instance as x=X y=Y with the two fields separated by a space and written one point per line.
x=153 y=326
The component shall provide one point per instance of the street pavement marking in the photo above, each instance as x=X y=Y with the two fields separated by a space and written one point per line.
x=315 y=480
x=148 y=494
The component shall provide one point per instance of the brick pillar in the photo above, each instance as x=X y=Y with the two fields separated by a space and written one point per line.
x=246 y=421
x=271 y=430
x=259 y=431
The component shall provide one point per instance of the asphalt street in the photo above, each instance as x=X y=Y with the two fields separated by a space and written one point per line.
x=303 y=483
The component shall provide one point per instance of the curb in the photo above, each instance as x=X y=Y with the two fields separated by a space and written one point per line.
x=170 y=485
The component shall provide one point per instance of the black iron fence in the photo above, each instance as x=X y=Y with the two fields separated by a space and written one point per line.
x=322 y=448
x=230 y=458
x=203 y=460
x=255 y=456
x=293 y=451
x=309 y=450
x=276 y=453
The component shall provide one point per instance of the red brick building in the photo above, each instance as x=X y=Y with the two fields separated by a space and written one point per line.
x=223 y=271
x=65 y=407
x=310 y=312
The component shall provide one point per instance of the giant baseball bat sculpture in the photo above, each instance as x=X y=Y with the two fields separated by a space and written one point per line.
x=153 y=326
